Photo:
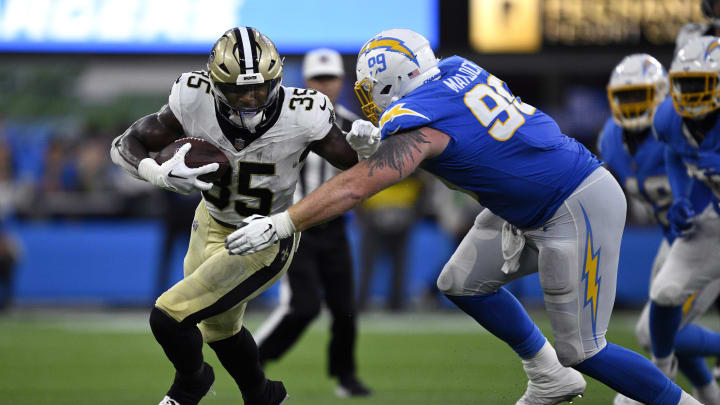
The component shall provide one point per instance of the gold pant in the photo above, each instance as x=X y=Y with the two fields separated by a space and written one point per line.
x=216 y=286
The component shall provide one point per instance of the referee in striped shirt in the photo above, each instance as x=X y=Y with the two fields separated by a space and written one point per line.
x=322 y=267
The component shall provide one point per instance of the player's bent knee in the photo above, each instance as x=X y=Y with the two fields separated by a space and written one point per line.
x=668 y=295
x=162 y=324
x=445 y=283
x=569 y=353
x=451 y=281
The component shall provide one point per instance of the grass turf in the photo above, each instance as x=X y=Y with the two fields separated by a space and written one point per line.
x=419 y=359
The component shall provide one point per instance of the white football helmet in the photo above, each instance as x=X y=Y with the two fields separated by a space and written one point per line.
x=390 y=65
x=695 y=77
x=638 y=84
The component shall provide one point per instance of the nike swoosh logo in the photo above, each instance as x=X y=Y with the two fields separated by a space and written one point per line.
x=174 y=176
x=322 y=107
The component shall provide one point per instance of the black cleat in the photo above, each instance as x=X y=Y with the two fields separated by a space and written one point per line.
x=274 y=394
x=350 y=386
x=190 y=390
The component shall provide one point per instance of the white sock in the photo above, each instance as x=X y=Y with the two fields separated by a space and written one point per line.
x=664 y=363
x=687 y=399
x=708 y=392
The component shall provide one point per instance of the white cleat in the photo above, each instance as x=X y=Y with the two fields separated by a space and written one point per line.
x=621 y=399
x=564 y=385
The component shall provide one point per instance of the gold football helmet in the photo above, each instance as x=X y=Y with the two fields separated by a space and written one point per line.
x=246 y=71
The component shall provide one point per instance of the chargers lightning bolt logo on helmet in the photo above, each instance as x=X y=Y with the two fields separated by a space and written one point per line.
x=391 y=45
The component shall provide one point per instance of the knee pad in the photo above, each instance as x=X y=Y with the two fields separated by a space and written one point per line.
x=569 y=353
x=451 y=281
x=446 y=282
x=553 y=271
x=667 y=294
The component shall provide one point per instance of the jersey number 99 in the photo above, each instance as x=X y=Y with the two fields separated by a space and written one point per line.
x=501 y=100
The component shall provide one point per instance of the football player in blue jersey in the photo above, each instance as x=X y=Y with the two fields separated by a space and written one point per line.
x=551 y=209
x=638 y=84
x=688 y=124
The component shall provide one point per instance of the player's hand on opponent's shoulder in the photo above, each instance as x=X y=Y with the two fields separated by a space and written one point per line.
x=680 y=216
x=364 y=138
x=258 y=232
x=174 y=175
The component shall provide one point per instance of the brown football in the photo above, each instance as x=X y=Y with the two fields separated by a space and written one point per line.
x=201 y=153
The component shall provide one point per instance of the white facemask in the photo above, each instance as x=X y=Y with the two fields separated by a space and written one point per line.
x=248 y=121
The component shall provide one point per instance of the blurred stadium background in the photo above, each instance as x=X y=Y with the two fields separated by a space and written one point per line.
x=84 y=249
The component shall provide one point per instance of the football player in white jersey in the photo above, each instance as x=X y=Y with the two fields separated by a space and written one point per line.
x=266 y=130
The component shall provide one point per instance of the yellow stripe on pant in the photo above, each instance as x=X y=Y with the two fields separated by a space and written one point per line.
x=216 y=285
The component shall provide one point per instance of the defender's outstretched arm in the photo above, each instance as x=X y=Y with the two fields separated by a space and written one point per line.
x=398 y=156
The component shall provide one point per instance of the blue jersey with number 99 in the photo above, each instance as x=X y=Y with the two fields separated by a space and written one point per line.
x=510 y=156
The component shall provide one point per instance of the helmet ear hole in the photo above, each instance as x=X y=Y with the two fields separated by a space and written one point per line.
x=386 y=89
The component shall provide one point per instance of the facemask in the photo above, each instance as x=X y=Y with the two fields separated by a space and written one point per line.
x=248 y=121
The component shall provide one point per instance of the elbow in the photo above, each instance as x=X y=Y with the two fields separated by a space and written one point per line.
x=355 y=192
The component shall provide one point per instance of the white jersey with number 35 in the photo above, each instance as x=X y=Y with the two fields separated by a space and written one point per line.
x=265 y=172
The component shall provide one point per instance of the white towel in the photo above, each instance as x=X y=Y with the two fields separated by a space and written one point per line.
x=513 y=242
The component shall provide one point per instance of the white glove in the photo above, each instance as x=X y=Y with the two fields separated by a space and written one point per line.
x=364 y=138
x=174 y=175
x=259 y=232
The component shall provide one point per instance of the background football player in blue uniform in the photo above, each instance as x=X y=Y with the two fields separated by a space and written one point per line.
x=551 y=208
x=688 y=124
x=638 y=84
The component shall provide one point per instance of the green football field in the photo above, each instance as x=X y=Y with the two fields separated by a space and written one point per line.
x=420 y=359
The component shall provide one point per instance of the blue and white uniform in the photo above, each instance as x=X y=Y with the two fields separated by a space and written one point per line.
x=693 y=165
x=522 y=174
x=643 y=174
x=551 y=208
x=556 y=210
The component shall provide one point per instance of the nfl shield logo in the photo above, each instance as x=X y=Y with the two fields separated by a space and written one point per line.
x=239 y=143
x=195 y=225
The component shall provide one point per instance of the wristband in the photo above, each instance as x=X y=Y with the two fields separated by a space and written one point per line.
x=284 y=225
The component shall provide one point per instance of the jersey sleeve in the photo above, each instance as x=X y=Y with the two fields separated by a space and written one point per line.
x=402 y=116
x=662 y=121
x=175 y=98
x=315 y=112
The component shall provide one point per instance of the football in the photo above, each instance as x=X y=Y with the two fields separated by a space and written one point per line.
x=201 y=153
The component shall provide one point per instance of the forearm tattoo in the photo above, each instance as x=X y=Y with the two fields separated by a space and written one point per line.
x=395 y=150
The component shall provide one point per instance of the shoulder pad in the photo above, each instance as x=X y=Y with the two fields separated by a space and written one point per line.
x=311 y=110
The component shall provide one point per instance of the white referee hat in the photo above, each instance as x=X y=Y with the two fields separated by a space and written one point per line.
x=323 y=61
